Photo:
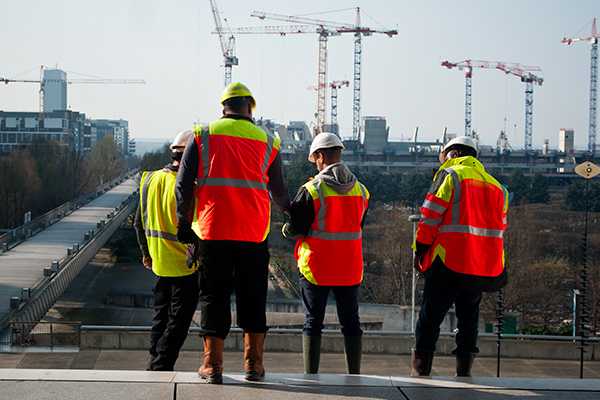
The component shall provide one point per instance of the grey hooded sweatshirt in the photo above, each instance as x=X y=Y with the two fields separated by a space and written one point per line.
x=302 y=211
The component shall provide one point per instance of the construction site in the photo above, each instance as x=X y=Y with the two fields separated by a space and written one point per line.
x=370 y=143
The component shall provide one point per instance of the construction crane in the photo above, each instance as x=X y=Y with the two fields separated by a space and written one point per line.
x=335 y=85
x=593 y=39
x=43 y=82
x=326 y=29
x=227 y=45
x=516 y=69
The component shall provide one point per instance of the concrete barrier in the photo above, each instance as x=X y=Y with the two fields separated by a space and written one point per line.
x=290 y=340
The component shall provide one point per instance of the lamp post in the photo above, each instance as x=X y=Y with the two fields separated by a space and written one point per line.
x=586 y=170
x=415 y=218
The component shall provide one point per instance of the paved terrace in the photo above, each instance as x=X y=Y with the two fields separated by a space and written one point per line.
x=118 y=374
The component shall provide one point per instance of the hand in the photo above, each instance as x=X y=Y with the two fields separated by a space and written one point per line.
x=417 y=262
x=185 y=234
x=147 y=261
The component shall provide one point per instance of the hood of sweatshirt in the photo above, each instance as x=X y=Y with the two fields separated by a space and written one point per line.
x=338 y=177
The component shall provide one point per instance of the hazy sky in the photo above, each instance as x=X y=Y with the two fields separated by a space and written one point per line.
x=169 y=44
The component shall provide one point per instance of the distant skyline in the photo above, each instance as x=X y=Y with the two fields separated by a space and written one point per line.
x=170 y=46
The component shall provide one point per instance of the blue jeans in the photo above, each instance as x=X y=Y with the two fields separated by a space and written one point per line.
x=314 y=301
x=438 y=297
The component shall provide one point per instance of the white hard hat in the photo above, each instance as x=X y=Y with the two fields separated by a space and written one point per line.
x=324 y=140
x=463 y=141
x=181 y=140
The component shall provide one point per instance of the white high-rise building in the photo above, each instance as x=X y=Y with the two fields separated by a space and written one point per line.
x=565 y=140
x=55 y=90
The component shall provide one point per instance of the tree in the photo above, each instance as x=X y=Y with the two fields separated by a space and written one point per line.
x=65 y=174
x=156 y=159
x=416 y=185
x=20 y=188
x=519 y=185
x=538 y=188
x=106 y=160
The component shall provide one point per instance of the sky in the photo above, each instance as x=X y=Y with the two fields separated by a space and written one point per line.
x=169 y=45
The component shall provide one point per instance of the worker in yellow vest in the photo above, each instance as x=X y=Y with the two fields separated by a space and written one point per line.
x=327 y=217
x=176 y=286
x=238 y=170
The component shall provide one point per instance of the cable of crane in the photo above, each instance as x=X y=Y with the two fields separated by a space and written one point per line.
x=34 y=69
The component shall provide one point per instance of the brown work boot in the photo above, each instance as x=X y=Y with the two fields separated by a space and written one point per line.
x=421 y=362
x=253 y=355
x=464 y=362
x=212 y=369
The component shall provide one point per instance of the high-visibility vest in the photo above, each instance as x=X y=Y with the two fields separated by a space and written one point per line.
x=464 y=221
x=331 y=254
x=232 y=201
x=157 y=202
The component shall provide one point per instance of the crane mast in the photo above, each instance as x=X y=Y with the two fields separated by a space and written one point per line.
x=227 y=45
x=516 y=69
x=593 y=39
x=325 y=29
x=335 y=85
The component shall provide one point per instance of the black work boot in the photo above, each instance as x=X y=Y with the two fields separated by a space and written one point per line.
x=311 y=353
x=464 y=362
x=353 y=353
x=421 y=362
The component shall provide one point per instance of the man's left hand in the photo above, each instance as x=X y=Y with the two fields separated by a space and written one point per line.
x=417 y=262
x=147 y=261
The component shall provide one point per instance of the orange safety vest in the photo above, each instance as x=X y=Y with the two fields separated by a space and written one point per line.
x=464 y=220
x=331 y=254
x=232 y=201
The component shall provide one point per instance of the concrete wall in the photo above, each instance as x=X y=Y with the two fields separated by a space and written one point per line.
x=135 y=338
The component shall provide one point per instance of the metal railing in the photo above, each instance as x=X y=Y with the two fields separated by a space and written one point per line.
x=19 y=234
x=45 y=334
x=47 y=295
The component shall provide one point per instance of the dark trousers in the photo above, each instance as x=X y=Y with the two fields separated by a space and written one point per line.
x=438 y=297
x=314 y=301
x=227 y=266
x=175 y=301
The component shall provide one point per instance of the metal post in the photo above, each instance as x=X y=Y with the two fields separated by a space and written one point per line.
x=415 y=220
x=587 y=170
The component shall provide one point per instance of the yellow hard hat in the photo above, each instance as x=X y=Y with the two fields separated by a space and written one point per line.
x=237 y=89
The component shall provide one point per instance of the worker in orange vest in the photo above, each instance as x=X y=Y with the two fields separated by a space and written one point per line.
x=459 y=251
x=176 y=286
x=236 y=165
x=327 y=217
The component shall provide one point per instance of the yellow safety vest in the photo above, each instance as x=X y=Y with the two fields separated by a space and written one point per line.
x=157 y=202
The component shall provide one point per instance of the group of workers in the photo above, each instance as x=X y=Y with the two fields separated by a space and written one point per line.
x=203 y=221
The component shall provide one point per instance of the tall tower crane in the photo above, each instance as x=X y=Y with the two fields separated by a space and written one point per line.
x=335 y=85
x=516 y=69
x=43 y=82
x=227 y=45
x=593 y=39
x=325 y=29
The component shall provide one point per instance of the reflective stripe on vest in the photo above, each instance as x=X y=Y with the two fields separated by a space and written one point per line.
x=157 y=203
x=320 y=233
x=144 y=199
x=333 y=258
x=455 y=227
x=232 y=200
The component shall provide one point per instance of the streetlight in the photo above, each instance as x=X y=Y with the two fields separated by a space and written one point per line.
x=415 y=218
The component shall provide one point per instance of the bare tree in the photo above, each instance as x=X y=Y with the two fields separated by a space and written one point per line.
x=20 y=188
x=106 y=160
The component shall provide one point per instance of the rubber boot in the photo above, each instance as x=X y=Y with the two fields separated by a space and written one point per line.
x=253 y=356
x=311 y=351
x=212 y=369
x=353 y=353
x=464 y=362
x=421 y=362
